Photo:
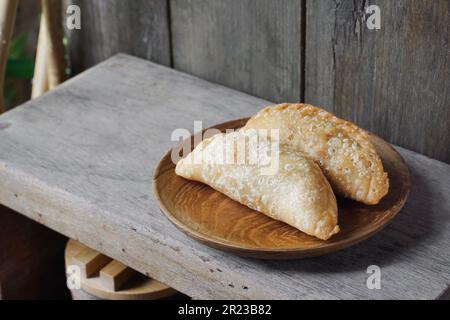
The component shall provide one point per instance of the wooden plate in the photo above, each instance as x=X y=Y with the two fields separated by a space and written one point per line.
x=222 y=223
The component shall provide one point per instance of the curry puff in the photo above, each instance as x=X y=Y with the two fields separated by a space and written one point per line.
x=343 y=150
x=290 y=188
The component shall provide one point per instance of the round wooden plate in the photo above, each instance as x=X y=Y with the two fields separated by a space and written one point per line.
x=220 y=222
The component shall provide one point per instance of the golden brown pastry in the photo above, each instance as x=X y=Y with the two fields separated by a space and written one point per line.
x=342 y=149
x=290 y=188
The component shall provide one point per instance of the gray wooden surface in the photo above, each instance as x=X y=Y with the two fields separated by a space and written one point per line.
x=394 y=81
x=137 y=27
x=80 y=159
x=250 y=45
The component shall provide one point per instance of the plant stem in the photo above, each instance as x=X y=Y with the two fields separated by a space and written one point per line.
x=8 y=9
x=40 y=77
x=51 y=13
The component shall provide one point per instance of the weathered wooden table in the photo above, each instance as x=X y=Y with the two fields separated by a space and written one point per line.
x=80 y=160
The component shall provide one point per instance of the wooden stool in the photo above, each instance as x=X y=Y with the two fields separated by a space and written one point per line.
x=105 y=278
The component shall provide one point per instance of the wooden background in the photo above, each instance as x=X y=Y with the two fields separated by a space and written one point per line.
x=394 y=81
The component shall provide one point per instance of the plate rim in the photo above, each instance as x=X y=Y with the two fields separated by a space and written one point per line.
x=275 y=253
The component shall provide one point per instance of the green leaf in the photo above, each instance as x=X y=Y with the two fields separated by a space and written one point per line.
x=19 y=68
x=17 y=47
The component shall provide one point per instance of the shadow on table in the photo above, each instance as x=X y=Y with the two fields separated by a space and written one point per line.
x=417 y=222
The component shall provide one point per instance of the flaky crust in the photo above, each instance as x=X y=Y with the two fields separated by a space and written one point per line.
x=297 y=193
x=342 y=149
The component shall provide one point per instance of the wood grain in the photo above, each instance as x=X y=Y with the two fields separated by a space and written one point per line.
x=90 y=262
x=138 y=287
x=85 y=170
x=393 y=81
x=219 y=222
x=250 y=45
x=115 y=275
x=138 y=27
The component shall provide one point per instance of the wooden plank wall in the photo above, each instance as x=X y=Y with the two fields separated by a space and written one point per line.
x=250 y=45
x=137 y=27
x=394 y=81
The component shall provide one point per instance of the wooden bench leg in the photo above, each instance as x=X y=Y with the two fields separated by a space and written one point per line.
x=31 y=259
